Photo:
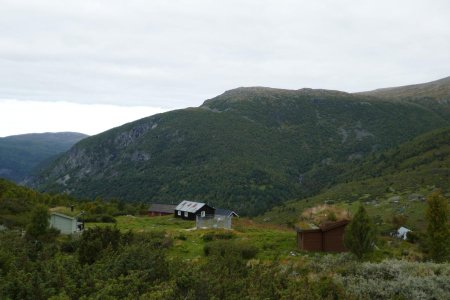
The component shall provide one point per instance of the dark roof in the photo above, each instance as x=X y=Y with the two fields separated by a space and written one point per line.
x=163 y=208
x=225 y=212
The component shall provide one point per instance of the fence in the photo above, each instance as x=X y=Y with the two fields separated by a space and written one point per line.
x=214 y=221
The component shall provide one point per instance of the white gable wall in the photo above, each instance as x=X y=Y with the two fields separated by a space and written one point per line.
x=63 y=224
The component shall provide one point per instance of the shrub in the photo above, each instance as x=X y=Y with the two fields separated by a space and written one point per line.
x=223 y=248
x=93 y=241
x=395 y=279
x=413 y=237
x=69 y=246
x=39 y=222
x=102 y=218
x=221 y=235
x=181 y=237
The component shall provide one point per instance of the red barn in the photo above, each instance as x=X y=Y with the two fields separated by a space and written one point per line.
x=328 y=237
x=156 y=209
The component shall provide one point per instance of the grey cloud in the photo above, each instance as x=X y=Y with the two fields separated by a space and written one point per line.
x=177 y=53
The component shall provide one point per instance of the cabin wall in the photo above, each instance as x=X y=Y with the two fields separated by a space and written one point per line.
x=207 y=209
x=333 y=240
x=311 y=241
x=192 y=216
x=64 y=225
x=182 y=215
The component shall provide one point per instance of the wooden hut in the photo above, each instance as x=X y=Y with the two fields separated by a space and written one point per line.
x=328 y=237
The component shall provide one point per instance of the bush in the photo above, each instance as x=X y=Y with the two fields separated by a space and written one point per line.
x=181 y=237
x=413 y=237
x=99 y=219
x=395 y=279
x=69 y=246
x=223 y=248
x=93 y=241
x=39 y=222
x=221 y=235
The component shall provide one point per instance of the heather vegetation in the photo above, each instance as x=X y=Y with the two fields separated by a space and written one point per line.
x=140 y=257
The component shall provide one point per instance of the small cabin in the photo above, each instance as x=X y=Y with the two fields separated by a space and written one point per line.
x=189 y=210
x=156 y=209
x=65 y=224
x=328 y=237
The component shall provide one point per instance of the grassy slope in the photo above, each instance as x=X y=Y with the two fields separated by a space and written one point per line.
x=271 y=240
x=246 y=149
x=386 y=182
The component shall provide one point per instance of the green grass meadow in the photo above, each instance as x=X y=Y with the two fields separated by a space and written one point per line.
x=272 y=241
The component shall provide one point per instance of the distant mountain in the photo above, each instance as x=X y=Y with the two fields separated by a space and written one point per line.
x=248 y=149
x=438 y=89
x=392 y=182
x=21 y=154
x=434 y=95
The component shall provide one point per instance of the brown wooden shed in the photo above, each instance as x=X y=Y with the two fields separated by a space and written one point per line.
x=328 y=237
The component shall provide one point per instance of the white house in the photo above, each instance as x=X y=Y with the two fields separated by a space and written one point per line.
x=65 y=224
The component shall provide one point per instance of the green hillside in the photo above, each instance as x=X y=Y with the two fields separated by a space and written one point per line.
x=248 y=149
x=21 y=154
x=395 y=182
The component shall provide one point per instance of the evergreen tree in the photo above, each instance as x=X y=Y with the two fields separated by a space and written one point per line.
x=438 y=234
x=359 y=235
x=39 y=222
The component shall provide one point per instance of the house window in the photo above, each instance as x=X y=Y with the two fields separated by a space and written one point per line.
x=179 y=213
x=186 y=214
x=203 y=213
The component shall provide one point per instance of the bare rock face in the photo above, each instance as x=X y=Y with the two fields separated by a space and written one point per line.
x=127 y=138
x=140 y=156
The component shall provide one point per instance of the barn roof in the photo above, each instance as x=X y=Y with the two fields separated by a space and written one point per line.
x=164 y=208
x=189 y=206
x=226 y=212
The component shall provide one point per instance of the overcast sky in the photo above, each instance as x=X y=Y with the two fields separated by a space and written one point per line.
x=152 y=56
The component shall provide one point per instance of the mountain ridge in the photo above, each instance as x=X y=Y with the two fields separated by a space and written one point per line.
x=437 y=89
x=248 y=149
